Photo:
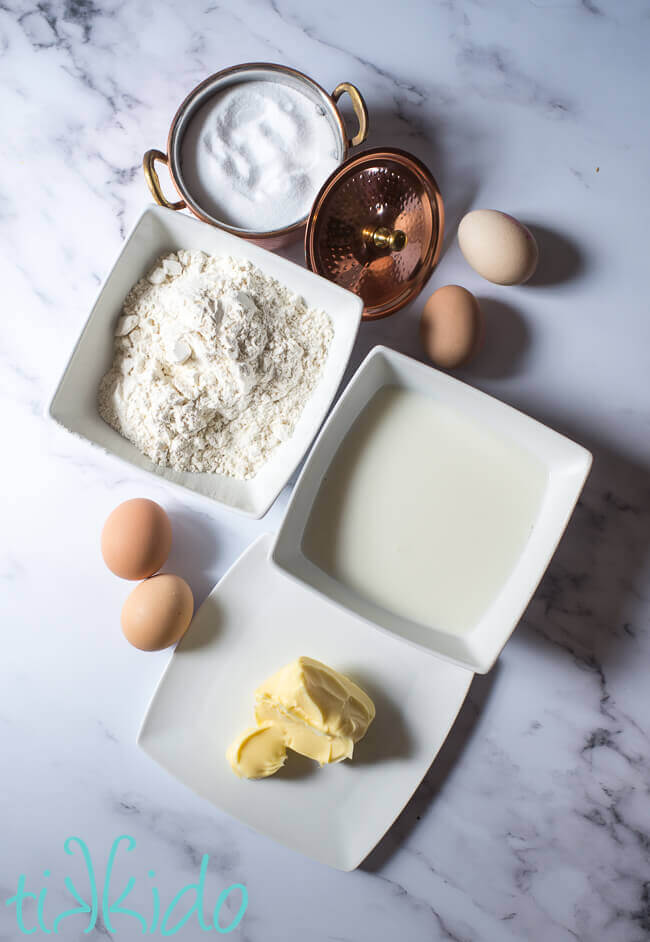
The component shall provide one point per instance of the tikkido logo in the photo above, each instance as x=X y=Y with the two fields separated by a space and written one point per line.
x=31 y=908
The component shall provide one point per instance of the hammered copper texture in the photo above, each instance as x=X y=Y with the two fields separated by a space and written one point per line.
x=376 y=191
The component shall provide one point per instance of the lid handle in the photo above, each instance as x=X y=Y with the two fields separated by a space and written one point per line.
x=382 y=238
x=360 y=110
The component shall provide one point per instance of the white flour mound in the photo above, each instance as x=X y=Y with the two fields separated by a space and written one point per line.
x=213 y=364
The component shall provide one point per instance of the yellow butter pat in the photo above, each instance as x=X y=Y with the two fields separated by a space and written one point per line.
x=259 y=752
x=309 y=708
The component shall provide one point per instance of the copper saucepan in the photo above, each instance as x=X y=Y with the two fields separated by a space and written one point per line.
x=250 y=71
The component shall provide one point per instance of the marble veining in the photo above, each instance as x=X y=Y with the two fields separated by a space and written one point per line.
x=533 y=822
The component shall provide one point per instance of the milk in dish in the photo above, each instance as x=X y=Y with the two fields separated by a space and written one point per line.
x=423 y=511
x=256 y=153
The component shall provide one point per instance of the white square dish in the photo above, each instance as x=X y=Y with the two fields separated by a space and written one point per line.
x=205 y=698
x=157 y=232
x=566 y=465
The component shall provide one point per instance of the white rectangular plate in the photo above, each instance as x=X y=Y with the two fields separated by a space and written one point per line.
x=255 y=621
x=566 y=462
x=160 y=231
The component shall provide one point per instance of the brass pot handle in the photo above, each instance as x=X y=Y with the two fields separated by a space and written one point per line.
x=151 y=176
x=360 y=110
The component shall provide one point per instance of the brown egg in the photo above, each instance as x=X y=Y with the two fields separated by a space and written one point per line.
x=136 y=539
x=451 y=328
x=158 y=612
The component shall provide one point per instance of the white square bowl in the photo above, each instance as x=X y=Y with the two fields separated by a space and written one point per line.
x=159 y=231
x=205 y=699
x=567 y=465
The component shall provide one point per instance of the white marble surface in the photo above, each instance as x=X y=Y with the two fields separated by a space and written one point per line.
x=534 y=822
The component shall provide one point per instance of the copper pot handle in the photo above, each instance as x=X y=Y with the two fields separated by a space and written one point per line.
x=153 y=182
x=360 y=110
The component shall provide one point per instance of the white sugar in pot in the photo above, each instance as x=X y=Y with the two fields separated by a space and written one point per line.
x=229 y=151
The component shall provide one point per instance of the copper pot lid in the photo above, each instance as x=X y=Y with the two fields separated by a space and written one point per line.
x=376 y=229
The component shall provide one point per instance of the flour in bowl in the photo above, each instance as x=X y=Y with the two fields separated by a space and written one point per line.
x=213 y=364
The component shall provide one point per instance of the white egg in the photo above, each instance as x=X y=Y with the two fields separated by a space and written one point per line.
x=498 y=246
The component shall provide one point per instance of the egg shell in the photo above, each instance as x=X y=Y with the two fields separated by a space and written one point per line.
x=158 y=612
x=498 y=246
x=136 y=539
x=451 y=327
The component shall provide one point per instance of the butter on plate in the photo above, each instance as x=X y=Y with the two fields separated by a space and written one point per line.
x=307 y=707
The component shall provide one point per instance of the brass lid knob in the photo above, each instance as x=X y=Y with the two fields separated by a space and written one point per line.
x=382 y=238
